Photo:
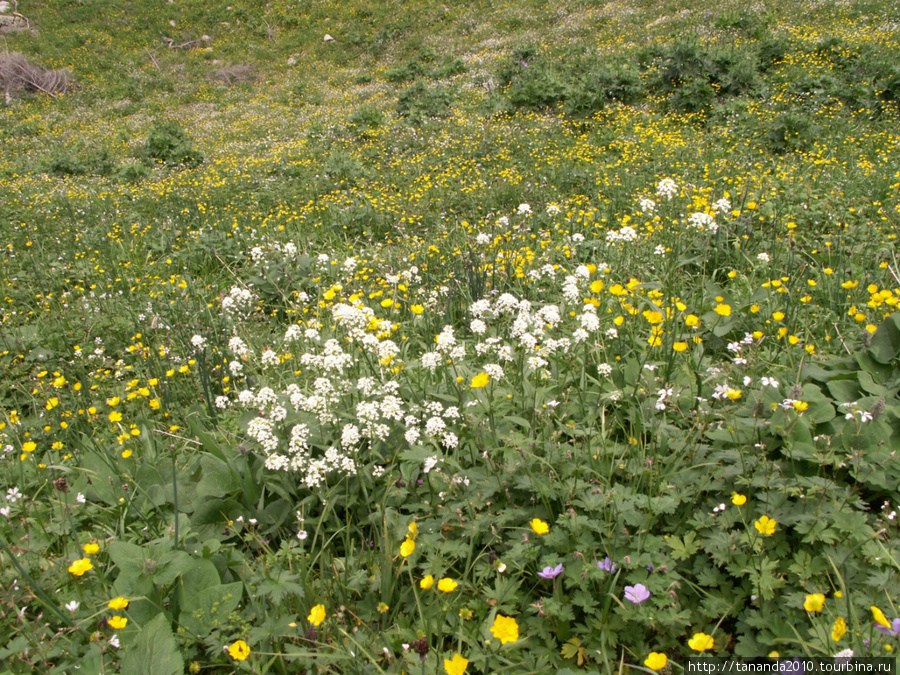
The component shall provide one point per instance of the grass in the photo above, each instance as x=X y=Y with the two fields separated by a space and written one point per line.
x=511 y=338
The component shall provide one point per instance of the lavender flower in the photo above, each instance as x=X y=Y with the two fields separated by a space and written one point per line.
x=636 y=594
x=607 y=565
x=551 y=572
x=893 y=631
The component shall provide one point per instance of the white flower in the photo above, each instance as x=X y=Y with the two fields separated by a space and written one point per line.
x=80 y=498
x=553 y=209
x=302 y=534
x=198 y=341
x=524 y=209
x=430 y=463
x=4 y=512
x=73 y=606
x=114 y=641
x=667 y=188
x=769 y=382
x=763 y=257
x=13 y=494
x=483 y=239
x=647 y=205
x=604 y=369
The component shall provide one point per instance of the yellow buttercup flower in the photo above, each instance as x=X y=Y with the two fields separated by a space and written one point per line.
x=447 y=585
x=407 y=547
x=118 y=622
x=539 y=526
x=90 y=549
x=722 y=309
x=118 y=603
x=765 y=525
x=701 y=642
x=505 y=629
x=814 y=602
x=880 y=618
x=480 y=381
x=239 y=650
x=839 y=629
x=455 y=666
x=738 y=500
x=79 y=567
x=316 y=615
x=656 y=661
x=427 y=582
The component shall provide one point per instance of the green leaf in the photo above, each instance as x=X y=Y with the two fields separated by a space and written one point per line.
x=844 y=390
x=209 y=609
x=683 y=549
x=885 y=345
x=154 y=651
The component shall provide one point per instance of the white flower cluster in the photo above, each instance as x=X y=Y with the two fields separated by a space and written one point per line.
x=703 y=221
x=238 y=301
x=625 y=233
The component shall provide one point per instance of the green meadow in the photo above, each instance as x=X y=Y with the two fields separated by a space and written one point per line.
x=484 y=337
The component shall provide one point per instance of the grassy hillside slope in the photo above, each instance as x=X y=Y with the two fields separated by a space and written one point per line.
x=479 y=337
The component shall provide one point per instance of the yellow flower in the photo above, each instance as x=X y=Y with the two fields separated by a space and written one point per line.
x=679 y=347
x=738 y=500
x=691 y=321
x=239 y=651
x=765 y=525
x=505 y=629
x=115 y=416
x=447 y=585
x=79 y=567
x=839 y=630
x=316 y=615
x=383 y=608
x=539 y=526
x=416 y=309
x=480 y=381
x=118 y=622
x=29 y=446
x=90 y=549
x=118 y=603
x=427 y=582
x=800 y=406
x=455 y=666
x=701 y=642
x=412 y=530
x=814 y=602
x=407 y=547
x=722 y=309
x=778 y=316
x=126 y=454
x=656 y=661
x=734 y=394
x=596 y=286
x=880 y=618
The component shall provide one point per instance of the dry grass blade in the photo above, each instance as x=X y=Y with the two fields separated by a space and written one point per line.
x=17 y=73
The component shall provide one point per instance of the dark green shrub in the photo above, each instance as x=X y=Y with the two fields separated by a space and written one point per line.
x=364 y=121
x=790 y=132
x=420 y=102
x=168 y=143
x=404 y=73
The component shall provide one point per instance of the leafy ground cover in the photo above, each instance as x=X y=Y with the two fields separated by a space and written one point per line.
x=506 y=338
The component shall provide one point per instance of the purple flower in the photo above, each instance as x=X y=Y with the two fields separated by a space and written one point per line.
x=893 y=631
x=607 y=565
x=551 y=572
x=636 y=594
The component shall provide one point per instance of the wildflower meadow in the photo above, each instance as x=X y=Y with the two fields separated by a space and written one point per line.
x=464 y=338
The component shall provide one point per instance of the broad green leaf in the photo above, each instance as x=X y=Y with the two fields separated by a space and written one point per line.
x=154 y=651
